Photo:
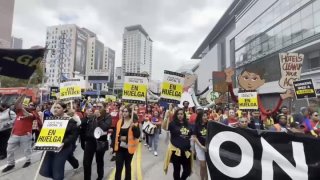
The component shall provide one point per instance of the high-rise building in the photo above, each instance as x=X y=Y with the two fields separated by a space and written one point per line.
x=16 y=43
x=252 y=33
x=98 y=75
x=6 y=18
x=67 y=55
x=110 y=55
x=137 y=50
x=77 y=53
x=118 y=80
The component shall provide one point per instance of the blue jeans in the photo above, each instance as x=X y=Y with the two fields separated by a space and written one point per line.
x=53 y=163
x=154 y=139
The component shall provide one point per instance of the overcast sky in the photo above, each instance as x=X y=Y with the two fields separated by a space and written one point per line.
x=177 y=27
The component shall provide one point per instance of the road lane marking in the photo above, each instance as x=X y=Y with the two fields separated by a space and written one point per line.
x=139 y=170
x=135 y=165
x=23 y=159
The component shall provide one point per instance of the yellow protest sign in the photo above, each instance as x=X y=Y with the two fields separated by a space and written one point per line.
x=172 y=87
x=135 y=88
x=248 y=100
x=110 y=98
x=52 y=133
x=26 y=101
x=70 y=90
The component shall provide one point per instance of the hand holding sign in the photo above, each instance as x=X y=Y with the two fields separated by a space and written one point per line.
x=287 y=94
x=229 y=73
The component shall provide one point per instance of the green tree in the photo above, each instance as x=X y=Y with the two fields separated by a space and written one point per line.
x=36 y=79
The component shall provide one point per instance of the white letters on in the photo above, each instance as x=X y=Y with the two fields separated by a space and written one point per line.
x=270 y=155
x=246 y=163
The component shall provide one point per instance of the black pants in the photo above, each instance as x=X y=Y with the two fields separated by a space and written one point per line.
x=123 y=157
x=4 y=137
x=177 y=161
x=89 y=151
x=53 y=163
x=36 y=134
x=73 y=160
x=147 y=137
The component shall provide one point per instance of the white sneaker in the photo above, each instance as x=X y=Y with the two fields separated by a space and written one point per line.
x=155 y=153
x=150 y=149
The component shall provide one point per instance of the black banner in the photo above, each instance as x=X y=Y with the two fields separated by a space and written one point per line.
x=304 y=89
x=235 y=153
x=19 y=63
x=53 y=92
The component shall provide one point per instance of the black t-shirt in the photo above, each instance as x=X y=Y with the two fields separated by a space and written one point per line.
x=180 y=135
x=201 y=132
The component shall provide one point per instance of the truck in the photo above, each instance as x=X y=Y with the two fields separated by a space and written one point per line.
x=9 y=95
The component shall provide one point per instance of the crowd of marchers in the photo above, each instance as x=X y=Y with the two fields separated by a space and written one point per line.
x=126 y=125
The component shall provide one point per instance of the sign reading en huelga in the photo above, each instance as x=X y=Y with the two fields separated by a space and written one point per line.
x=70 y=89
x=248 y=100
x=172 y=87
x=236 y=153
x=53 y=92
x=304 y=89
x=23 y=60
x=135 y=88
x=52 y=133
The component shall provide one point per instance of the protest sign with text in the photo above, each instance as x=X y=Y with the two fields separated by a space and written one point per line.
x=52 y=133
x=70 y=89
x=248 y=100
x=172 y=87
x=53 y=92
x=135 y=88
x=237 y=153
x=219 y=83
x=290 y=65
x=304 y=89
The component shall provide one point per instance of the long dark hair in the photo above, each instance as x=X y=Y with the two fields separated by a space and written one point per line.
x=176 y=120
x=102 y=114
x=199 y=118
x=129 y=110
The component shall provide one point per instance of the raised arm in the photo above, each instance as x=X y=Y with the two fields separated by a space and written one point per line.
x=229 y=73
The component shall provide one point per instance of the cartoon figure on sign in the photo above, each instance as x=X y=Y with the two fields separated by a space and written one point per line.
x=189 y=81
x=250 y=79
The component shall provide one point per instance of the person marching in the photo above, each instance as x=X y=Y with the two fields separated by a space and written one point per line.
x=199 y=136
x=95 y=146
x=154 y=139
x=179 y=148
x=54 y=162
x=21 y=135
x=147 y=117
x=168 y=117
x=126 y=142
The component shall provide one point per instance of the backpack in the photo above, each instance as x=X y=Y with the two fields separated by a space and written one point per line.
x=148 y=128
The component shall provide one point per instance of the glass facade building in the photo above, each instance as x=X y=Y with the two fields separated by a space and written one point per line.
x=254 y=32
x=285 y=25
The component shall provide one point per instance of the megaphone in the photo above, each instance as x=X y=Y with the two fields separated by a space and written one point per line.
x=98 y=132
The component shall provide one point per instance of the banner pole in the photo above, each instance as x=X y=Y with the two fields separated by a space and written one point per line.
x=38 y=170
x=308 y=102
